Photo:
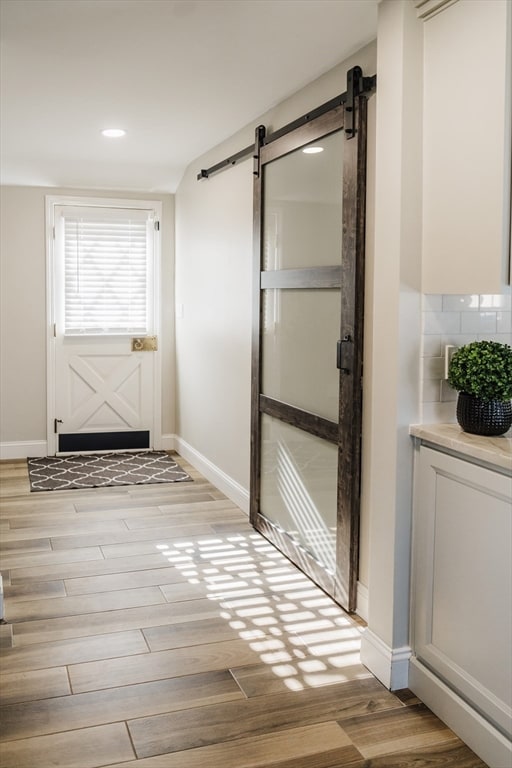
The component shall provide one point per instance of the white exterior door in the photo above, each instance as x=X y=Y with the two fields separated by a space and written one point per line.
x=104 y=373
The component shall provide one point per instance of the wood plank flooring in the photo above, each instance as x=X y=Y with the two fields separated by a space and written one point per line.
x=154 y=628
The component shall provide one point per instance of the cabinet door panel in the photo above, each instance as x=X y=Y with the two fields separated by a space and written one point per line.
x=463 y=584
x=467 y=159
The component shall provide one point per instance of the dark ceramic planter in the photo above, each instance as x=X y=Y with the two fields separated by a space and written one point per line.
x=483 y=417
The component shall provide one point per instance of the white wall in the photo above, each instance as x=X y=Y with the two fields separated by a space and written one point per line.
x=23 y=314
x=213 y=323
x=392 y=393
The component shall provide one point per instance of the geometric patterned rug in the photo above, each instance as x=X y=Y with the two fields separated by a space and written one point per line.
x=54 y=473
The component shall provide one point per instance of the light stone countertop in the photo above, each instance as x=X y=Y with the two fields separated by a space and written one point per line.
x=496 y=451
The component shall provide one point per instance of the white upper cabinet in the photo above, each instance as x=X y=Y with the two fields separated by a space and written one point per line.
x=466 y=150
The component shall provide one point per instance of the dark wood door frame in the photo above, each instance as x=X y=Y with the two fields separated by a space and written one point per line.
x=349 y=277
x=351 y=378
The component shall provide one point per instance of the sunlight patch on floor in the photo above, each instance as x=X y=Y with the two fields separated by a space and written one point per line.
x=298 y=632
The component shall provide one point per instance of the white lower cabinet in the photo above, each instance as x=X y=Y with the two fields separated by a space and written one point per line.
x=462 y=600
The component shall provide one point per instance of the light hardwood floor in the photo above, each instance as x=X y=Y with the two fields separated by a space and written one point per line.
x=154 y=628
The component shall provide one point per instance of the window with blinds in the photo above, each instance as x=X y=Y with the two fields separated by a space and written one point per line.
x=106 y=259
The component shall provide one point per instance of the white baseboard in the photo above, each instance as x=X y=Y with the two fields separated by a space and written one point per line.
x=167 y=443
x=362 y=601
x=226 y=484
x=22 y=449
x=389 y=665
x=480 y=735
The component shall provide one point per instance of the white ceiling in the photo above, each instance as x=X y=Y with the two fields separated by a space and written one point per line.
x=179 y=75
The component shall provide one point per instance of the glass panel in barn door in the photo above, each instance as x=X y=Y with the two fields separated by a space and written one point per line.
x=300 y=331
x=298 y=488
x=302 y=242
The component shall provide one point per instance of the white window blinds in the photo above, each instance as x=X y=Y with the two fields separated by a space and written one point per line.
x=106 y=256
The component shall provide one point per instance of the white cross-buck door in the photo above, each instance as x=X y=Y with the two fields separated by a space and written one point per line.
x=104 y=330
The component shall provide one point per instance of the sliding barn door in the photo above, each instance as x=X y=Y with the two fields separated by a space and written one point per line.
x=307 y=345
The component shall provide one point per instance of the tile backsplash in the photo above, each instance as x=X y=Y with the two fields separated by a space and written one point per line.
x=457 y=320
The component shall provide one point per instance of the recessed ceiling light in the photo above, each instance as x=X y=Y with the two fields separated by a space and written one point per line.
x=312 y=150
x=113 y=133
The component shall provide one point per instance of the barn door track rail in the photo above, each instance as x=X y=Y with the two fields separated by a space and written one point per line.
x=357 y=84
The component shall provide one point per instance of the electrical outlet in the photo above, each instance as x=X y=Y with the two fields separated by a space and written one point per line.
x=449 y=351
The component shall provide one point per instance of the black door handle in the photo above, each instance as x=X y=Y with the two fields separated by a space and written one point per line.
x=344 y=354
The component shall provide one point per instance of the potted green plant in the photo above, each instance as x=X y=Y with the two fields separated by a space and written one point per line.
x=482 y=373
